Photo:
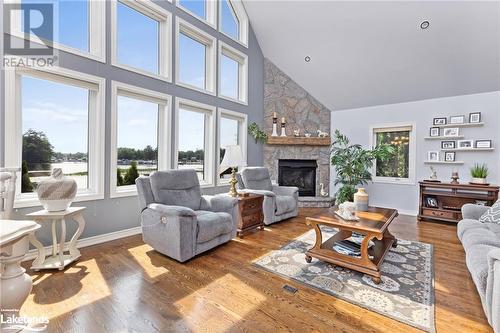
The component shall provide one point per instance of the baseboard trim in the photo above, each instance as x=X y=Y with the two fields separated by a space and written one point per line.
x=94 y=240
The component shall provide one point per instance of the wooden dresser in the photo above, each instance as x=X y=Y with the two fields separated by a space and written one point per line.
x=443 y=201
x=250 y=214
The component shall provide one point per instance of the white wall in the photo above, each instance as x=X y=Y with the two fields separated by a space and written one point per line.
x=356 y=123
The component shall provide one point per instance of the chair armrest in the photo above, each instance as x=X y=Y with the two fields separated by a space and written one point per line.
x=218 y=203
x=261 y=192
x=289 y=191
x=493 y=289
x=171 y=211
x=474 y=212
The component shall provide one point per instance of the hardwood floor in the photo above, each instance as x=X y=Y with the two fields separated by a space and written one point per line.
x=125 y=286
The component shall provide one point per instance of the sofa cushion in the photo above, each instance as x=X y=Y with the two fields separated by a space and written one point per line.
x=477 y=236
x=177 y=188
x=492 y=215
x=467 y=224
x=285 y=204
x=211 y=225
x=495 y=228
x=257 y=179
x=476 y=260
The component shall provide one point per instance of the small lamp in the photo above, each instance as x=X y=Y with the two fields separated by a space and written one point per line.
x=232 y=159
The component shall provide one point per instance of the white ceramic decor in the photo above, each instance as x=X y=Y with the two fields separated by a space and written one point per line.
x=56 y=193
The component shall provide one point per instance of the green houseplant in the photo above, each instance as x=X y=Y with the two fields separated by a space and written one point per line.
x=353 y=163
x=258 y=134
x=479 y=172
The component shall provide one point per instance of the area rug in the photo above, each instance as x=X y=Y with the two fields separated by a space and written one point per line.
x=406 y=292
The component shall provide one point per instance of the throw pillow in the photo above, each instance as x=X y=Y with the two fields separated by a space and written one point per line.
x=492 y=215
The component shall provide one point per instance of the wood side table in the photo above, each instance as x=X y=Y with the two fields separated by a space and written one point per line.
x=58 y=260
x=250 y=214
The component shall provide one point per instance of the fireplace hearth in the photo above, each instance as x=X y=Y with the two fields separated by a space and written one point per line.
x=300 y=173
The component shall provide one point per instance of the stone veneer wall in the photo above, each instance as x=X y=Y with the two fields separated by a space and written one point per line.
x=301 y=111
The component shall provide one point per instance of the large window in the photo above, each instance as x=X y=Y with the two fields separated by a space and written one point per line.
x=202 y=9
x=57 y=121
x=232 y=130
x=141 y=38
x=195 y=139
x=233 y=20
x=195 y=59
x=140 y=136
x=78 y=25
x=400 y=168
x=233 y=74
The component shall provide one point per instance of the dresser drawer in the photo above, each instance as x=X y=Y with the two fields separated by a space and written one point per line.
x=441 y=214
x=250 y=220
x=249 y=205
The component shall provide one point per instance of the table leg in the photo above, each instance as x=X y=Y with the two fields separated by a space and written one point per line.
x=73 y=251
x=54 y=239
x=61 y=244
x=41 y=251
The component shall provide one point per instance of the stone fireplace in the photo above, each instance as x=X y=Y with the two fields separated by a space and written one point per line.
x=304 y=113
x=300 y=173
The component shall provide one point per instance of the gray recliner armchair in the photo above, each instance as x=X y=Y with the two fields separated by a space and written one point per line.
x=177 y=220
x=280 y=202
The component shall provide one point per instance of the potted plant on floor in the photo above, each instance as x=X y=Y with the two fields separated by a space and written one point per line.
x=353 y=163
x=479 y=172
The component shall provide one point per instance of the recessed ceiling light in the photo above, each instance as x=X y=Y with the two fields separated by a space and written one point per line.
x=424 y=25
x=307 y=59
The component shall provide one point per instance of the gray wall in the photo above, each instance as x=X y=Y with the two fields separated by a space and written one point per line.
x=109 y=215
x=356 y=123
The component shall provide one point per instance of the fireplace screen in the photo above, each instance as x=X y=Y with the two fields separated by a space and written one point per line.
x=300 y=173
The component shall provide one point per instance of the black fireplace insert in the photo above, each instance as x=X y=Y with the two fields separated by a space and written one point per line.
x=300 y=173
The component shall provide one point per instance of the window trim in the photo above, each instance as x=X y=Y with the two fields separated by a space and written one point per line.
x=242 y=60
x=164 y=102
x=164 y=19
x=242 y=119
x=210 y=42
x=96 y=127
x=96 y=31
x=411 y=180
x=210 y=10
x=242 y=17
x=210 y=124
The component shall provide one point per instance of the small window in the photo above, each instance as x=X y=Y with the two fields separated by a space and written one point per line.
x=202 y=9
x=141 y=38
x=196 y=58
x=195 y=138
x=233 y=74
x=400 y=168
x=232 y=131
x=233 y=20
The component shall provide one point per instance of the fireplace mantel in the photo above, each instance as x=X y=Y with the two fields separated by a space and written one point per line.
x=300 y=141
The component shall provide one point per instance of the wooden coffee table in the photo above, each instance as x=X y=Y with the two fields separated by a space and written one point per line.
x=374 y=224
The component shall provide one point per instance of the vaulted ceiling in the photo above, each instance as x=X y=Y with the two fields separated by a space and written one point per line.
x=373 y=53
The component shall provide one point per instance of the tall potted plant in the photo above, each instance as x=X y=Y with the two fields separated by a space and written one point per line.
x=479 y=172
x=353 y=163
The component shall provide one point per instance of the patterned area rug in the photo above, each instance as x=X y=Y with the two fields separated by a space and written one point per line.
x=406 y=292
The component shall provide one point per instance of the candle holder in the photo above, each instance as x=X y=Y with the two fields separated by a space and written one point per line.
x=454 y=177
x=275 y=126
x=283 y=132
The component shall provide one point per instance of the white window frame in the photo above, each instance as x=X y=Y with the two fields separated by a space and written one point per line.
x=242 y=18
x=210 y=55
x=96 y=32
x=163 y=127
x=242 y=119
x=164 y=19
x=210 y=122
x=242 y=60
x=96 y=128
x=391 y=127
x=210 y=10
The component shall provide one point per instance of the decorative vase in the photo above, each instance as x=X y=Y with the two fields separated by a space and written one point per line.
x=361 y=200
x=478 y=180
x=56 y=193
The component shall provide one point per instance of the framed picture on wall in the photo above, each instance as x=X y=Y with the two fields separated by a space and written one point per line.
x=439 y=121
x=452 y=131
x=465 y=144
x=475 y=117
x=433 y=156
x=483 y=143
x=457 y=119
x=434 y=131
x=449 y=156
x=448 y=145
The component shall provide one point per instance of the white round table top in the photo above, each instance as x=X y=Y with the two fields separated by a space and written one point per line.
x=12 y=229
